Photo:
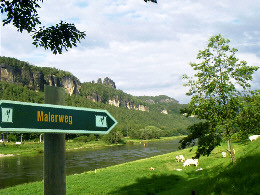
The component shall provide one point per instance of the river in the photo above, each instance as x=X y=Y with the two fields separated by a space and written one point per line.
x=23 y=169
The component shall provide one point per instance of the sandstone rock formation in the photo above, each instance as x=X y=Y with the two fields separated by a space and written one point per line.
x=70 y=85
x=99 y=81
x=94 y=97
x=164 y=111
x=6 y=73
x=35 y=79
x=109 y=82
x=116 y=101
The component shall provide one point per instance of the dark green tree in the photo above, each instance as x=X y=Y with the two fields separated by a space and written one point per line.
x=216 y=90
x=114 y=137
x=248 y=119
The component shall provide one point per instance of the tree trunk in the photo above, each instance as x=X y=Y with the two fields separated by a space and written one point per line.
x=232 y=151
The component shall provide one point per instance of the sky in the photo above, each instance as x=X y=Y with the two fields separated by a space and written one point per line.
x=145 y=48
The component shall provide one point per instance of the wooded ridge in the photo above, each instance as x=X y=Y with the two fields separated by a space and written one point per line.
x=18 y=81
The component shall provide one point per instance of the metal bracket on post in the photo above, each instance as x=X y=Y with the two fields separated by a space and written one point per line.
x=54 y=149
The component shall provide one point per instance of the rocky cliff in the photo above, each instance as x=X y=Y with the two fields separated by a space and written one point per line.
x=16 y=71
x=107 y=81
x=106 y=92
x=34 y=78
x=118 y=102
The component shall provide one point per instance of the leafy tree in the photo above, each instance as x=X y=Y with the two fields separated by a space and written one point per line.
x=23 y=15
x=114 y=137
x=249 y=117
x=216 y=91
x=151 y=132
x=62 y=36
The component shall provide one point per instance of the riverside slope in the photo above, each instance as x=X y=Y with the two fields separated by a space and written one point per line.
x=217 y=175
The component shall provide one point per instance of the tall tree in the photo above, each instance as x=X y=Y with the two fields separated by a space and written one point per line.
x=216 y=90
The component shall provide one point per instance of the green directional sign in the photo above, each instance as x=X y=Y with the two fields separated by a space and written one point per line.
x=46 y=118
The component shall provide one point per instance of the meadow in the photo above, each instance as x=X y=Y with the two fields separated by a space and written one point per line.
x=214 y=175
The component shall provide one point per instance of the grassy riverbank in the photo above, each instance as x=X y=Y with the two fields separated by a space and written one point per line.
x=218 y=175
x=26 y=148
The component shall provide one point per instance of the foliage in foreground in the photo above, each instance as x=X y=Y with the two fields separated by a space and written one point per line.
x=23 y=15
x=218 y=176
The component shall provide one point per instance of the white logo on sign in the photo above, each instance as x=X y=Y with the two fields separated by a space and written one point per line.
x=7 y=115
x=101 y=121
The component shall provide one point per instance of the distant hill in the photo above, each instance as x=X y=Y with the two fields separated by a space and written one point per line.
x=158 y=99
x=24 y=82
x=163 y=104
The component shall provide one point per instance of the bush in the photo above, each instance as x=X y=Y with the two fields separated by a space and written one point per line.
x=85 y=138
x=92 y=137
x=151 y=132
x=134 y=134
x=115 y=136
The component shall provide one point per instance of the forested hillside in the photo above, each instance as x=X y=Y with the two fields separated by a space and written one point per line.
x=33 y=77
x=45 y=70
x=132 y=122
x=163 y=102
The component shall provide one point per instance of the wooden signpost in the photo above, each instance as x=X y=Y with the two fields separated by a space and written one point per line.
x=54 y=120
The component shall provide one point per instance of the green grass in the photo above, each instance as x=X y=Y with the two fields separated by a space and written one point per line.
x=35 y=147
x=219 y=176
x=24 y=148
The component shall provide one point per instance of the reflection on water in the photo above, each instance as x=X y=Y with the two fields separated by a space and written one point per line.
x=23 y=169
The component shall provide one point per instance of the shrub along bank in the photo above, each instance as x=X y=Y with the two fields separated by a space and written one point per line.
x=214 y=175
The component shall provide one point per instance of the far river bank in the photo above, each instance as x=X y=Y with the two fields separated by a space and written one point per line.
x=8 y=149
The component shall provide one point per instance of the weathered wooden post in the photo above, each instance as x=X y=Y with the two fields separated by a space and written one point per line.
x=54 y=149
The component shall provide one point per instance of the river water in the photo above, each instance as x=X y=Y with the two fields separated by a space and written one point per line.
x=23 y=169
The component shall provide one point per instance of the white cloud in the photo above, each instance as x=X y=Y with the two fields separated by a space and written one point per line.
x=144 y=47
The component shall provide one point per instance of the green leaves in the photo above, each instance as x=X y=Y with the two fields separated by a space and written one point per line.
x=216 y=92
x=23 y=15
x=219 y=71
x=203 y=134
x=58 y=38
x=249 y=116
